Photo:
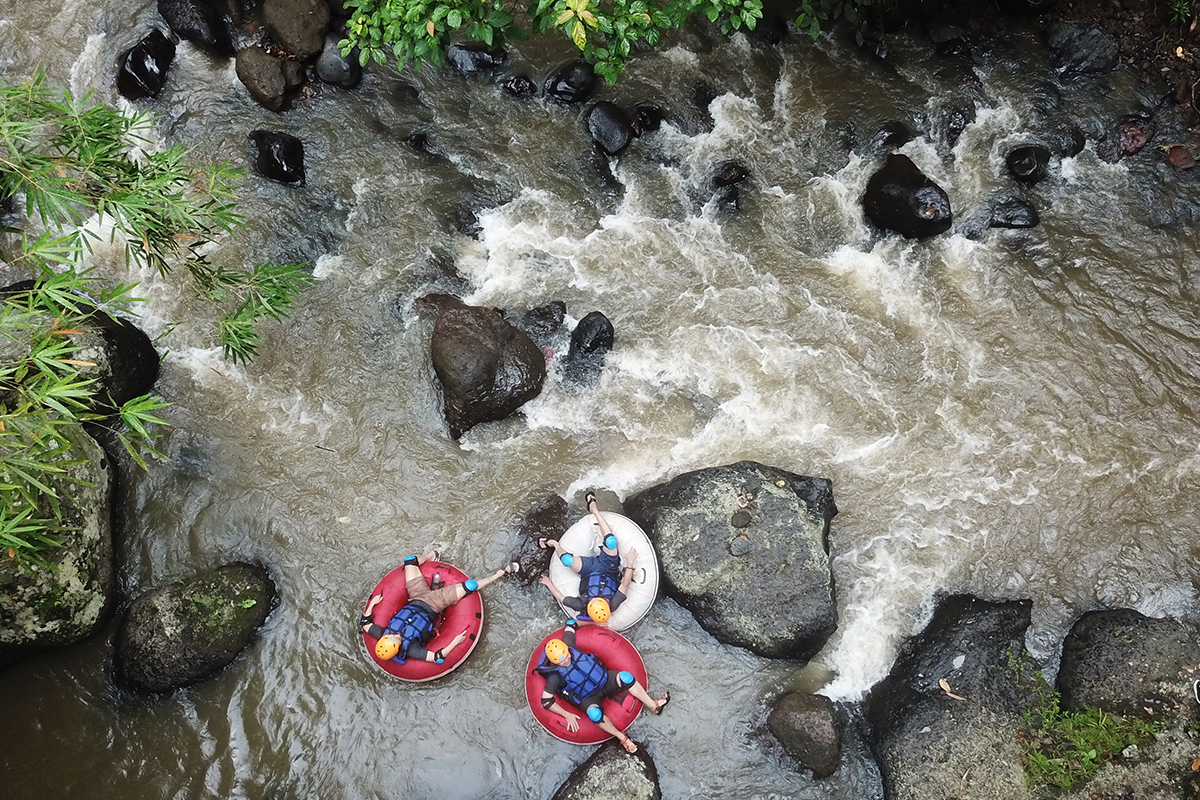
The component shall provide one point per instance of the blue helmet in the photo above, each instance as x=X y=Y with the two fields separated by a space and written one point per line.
x=610 y=542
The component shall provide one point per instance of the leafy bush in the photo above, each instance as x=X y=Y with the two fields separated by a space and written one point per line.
x=65 y=161
x=419 y=31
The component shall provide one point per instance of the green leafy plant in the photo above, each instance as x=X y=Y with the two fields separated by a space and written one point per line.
x=1180 y=11
x=419 y=31
x=1062 y=749
x=64 y=162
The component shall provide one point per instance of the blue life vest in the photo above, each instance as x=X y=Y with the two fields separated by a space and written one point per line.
x=584 y=676
x=413 y=623
x=600 y=585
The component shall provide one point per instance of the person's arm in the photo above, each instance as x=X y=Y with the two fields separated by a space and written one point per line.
x=572 y=719
x=443 y=652
x=367 y=620
x=628 y=570
x=569 y=633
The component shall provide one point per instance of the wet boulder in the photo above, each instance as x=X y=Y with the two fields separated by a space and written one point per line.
x=572 y=83
x=143 y=67
x=545 y=519
x=268 y=78
x=471 y=59
x=334 y=68
x=771 y=29
x=591 y=341
x=809 y=729
x=1011 y=212
x=519 y=86
x=297 y=26
x=544 y=323
x=1029 y=164
x=487 y=367
x=1122 y=662
x=199 y=23
x=47 y=608
x=647 y=118
x=956 y=740
x=610 y=772
x=1081 y=50
x=610 y=127
x=184 y=632
x=766 y=585
x=899 y=197
x=278 y=156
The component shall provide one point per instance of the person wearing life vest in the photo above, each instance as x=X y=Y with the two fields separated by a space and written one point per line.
x=406 y=633
x=582 y=680
x=603 y=582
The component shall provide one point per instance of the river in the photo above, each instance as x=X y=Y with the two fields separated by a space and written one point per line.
x=1012 y=415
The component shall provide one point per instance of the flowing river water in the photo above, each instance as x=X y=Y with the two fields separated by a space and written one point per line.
x=1012 y=415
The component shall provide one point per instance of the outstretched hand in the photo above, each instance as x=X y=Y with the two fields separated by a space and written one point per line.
x=630 y=556
x=572 y=722
x=462 y=637
x=545 y=580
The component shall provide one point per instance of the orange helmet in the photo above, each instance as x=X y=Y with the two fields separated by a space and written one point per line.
x=387 y=647
x=598 y=610
x=557 y=651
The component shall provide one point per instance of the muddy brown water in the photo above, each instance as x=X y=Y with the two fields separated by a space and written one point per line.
x=1012 y=416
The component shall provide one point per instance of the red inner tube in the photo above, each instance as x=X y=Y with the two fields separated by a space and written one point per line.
x=466 y=614
x=617 y=653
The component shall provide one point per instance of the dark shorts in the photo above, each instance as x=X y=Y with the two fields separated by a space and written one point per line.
x=610 y=688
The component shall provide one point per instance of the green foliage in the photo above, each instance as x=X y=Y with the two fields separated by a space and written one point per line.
x=606 y=33
x=816 y=15
x=63 y=161
x=1062 y=749
x=1180 y=11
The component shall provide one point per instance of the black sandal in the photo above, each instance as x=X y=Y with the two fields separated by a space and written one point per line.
x=588 y=499
x=661 y=704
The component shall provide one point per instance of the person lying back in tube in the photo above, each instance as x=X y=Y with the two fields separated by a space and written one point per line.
x=582 y=679
x=602 y=581
x=405 y=634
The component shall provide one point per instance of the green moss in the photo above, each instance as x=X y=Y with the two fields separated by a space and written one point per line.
x=1062 y=749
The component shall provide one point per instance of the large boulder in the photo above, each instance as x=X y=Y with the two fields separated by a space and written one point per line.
x=1081 y=50
x=1125 y=663
x=572 y=83
x=488 y=368
x=591 y=340
x=278 y=156
x=143 y=67
x=610 y=127
x=809 y=728
x=184 y=632
x=899 y=197
x=757 y=577
x=268 y=78
x=611 y=773
x=199 y=23
x=958 y=739
x=44 y=607
x=298 y=26
x=545 y=519
x=1029 y=164
x=333 y=67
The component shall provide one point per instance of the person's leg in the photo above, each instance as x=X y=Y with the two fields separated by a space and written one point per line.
x=606 y=725
x=576 y=563
x=594 y=509
x=642 y=696
x=441 y=599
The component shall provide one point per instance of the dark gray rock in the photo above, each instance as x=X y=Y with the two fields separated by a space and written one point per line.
x=519 y=86
x=1125 y=663
x=891 y=134
x=268 y=78
x=612 y=774
x=730 y=172
x=1010 y=212
x=488 y=368
x=809 y=728
x=572 y=83
x=199 y=23
x=278 y=156
x=544 y=323
x=591 y=341
x=899 y=197
x=776 y=600
x=771 y=29
x=1081 y=50
x=1029 y=164
x=297 y=26
x=547 y=518
x=647 y=118
x=610 y=127
x=472 y=59
x=143 y=67
x=184 y=632
x=931 y=745
x=46 y=608
x=337 y=69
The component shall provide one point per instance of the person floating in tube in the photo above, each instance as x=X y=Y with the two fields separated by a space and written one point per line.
x=583 y=680
x=405 y=634
x=602 y=581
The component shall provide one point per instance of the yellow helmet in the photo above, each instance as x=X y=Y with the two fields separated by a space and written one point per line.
x=387 y=647
x=556 y=651
x=598 y=610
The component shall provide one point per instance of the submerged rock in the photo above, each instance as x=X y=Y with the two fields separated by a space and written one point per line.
x=278 y=156
x=186 y=631
x=809 y=729
x=1009 y=212
x=1080 y=50
x=591 y=341
x=776 y=599
x=956 y=740
x=199 y=23
x=1029 y=164
x=610 y=772
x=471 y=59
x=487 y=368
x=519 y=86
x=143 y=67
x=610 y=127
x=899 y=197
x=544 y=323
x=547 y=518
x=572 y=83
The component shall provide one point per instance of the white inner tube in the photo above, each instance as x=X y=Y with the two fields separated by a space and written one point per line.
x=583 y=539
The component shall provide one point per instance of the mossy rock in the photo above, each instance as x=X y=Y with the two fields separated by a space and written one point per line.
x=612 y=774
x=182 y=633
